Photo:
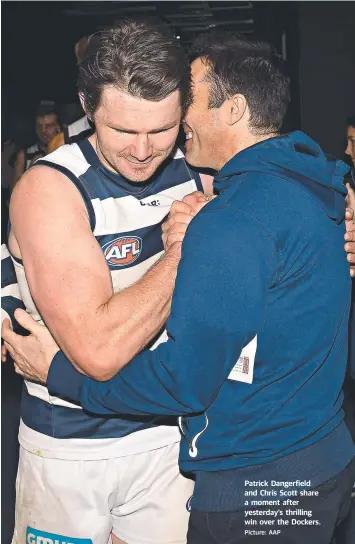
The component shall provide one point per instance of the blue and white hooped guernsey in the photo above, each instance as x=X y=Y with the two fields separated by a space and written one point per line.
x=126 y=221
x=30 y=152
x=10 y=292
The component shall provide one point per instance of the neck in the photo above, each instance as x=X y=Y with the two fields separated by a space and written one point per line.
x=43 y=147
x=239 y=143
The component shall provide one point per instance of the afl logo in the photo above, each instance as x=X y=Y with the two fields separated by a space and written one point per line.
x=122 y=251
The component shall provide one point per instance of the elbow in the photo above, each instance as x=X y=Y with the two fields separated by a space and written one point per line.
x=103 y=373
x=192 y=400
x=100 y=364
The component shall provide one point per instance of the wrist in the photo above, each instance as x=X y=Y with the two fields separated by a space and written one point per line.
x=173 y=255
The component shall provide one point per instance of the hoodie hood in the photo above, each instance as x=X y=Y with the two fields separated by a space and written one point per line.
x=298 y=159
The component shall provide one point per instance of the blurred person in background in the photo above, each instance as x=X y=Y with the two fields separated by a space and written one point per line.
x=80 y=128
x=16 y=135
x=47 y=126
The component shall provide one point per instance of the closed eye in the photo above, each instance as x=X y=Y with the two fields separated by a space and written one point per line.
x=122 y=131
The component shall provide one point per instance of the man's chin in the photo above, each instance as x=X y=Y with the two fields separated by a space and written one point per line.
x=194 y=159
x=139 y=175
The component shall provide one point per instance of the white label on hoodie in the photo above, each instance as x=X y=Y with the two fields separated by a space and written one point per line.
x=243 y=370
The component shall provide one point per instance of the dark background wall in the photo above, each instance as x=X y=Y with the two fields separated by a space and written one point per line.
x=326 y=70
x=317 y=39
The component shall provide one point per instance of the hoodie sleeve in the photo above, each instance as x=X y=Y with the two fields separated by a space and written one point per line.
x=351 y=353
x=217 y=307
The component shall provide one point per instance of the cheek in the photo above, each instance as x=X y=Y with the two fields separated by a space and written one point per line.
x=112 y=142
x=166 y=140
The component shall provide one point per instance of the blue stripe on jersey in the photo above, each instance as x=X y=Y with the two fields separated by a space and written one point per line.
x=111 y=185
x=8 y=274
x=63 y=422
x=78 y=182
x=8 y=302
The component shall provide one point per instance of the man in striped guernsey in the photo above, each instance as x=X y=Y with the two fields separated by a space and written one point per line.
x=88 y=254
x=47 y=126
x=82 y=128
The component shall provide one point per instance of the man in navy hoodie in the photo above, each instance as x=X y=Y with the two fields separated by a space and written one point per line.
x=255 y=361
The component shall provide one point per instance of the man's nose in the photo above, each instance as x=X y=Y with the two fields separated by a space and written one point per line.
x=142 y=149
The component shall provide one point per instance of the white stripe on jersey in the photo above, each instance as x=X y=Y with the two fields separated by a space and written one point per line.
x=11 y=291
x=74 y=159
x=41 y=392
x=127 y=213
x=81 y=125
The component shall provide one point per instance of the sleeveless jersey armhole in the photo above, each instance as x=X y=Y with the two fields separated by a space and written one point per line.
x=78 y=184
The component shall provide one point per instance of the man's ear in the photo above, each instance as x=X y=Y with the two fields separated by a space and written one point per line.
x=236 y=109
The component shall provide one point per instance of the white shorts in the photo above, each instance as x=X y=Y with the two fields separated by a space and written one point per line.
x=140 y=498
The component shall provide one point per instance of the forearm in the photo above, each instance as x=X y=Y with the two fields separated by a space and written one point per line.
x=121 y=327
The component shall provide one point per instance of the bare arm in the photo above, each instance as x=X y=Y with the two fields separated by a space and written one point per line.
x=19 y=169
x=70 y=281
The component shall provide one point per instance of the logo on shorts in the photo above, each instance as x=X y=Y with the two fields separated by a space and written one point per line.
x=188 y=504
x=122 y=251
x=33 y=536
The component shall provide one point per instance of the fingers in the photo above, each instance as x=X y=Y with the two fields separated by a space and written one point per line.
x=351 y=257
x=180 y=216
x=10 y=349
x=350 y=236
x=18 y=370
x=194 y=199
x=179 y=206
x=6 y=326
x=177 y=218
x=174 y=228
x=349 y=214
x=27 y=322
x=3 y=353
x=9 y=335
x=174 y=234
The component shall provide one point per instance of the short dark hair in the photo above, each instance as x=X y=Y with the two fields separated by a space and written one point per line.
x=80 y=47
x=142 y=58
x=350 y=122
x=251 y=68
x=47 y=107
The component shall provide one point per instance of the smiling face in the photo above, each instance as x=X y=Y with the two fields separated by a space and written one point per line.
x=134 y=136
x=205 y=128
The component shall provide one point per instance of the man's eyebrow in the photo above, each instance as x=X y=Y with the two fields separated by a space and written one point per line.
x=130 y=131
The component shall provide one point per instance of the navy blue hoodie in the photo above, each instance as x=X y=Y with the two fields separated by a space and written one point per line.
x=263 y=262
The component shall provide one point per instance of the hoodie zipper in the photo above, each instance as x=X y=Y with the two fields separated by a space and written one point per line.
x=193 y=451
